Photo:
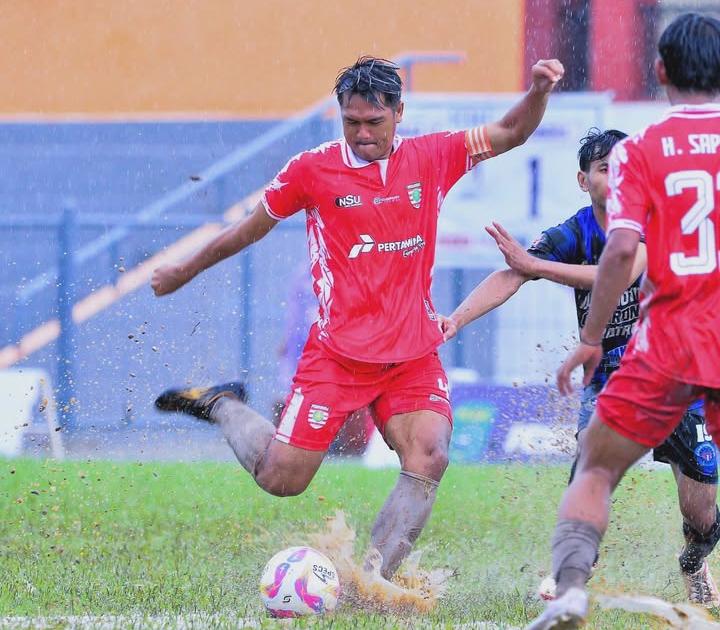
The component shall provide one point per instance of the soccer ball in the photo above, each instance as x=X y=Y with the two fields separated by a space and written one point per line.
x=547 y=588
x=299 y=581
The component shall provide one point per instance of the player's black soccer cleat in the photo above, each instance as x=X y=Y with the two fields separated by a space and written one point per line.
x=199 y=401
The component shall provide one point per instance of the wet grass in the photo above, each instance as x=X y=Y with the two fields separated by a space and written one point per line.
x=183 y=545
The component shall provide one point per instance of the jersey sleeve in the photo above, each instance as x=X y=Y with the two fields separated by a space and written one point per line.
x=628 y=196
x=285 y=194
x=450 y=157
x=556 y=244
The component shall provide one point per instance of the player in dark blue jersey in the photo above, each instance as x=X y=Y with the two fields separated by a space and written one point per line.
x=569 y=253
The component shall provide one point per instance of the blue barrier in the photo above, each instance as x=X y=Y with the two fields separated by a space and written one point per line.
x=504 y=423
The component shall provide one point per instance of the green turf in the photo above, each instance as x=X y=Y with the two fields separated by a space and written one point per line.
x=184 y=540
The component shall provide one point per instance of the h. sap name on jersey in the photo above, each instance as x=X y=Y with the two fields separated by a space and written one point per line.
x=697 y=144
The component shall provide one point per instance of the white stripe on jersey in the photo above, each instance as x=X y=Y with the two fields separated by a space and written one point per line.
x=624 y=223
x=323 y=286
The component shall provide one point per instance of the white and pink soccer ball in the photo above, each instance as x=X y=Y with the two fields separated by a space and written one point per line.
x=299 y=581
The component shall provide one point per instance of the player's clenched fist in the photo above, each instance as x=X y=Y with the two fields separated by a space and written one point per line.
x=169 y=278
x=546 y=73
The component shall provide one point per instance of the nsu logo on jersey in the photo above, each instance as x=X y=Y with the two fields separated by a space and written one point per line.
x=348 y=201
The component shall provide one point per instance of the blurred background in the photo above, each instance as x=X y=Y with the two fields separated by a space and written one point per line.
x=134 y=130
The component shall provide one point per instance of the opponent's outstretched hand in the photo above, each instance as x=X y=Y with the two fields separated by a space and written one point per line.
x=583 y=354
x=516 y=256
x=546 y=73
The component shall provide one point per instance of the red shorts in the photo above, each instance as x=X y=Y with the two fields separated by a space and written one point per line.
x=645 y=406
x=327 y=388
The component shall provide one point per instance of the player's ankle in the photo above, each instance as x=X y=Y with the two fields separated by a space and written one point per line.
x=570 y=578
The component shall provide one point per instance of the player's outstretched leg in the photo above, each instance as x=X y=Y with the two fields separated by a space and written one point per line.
x=247 y=432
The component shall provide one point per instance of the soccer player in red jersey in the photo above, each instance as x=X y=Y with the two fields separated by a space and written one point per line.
x=371 y=201
x=664 y=183
x=568 y=254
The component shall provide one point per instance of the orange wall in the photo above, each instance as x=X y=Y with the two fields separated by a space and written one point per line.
x=237 y=57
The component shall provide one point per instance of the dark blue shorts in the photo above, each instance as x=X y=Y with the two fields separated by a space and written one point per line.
x=689 y=446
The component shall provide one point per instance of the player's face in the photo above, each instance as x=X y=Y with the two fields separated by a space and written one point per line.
x=594 y=182
x=368 y=129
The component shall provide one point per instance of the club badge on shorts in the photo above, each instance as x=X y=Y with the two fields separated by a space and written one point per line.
x=318 y=416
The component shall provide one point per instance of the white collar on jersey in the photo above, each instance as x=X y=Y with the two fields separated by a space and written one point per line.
x=710 y=106
x=352 y=160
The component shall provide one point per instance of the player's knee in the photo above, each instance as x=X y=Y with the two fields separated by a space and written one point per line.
x=286 y=471
x=600 y=470
x=429 y=460
x=439 y=460
x=285 y=490
x=281 y=485
x=281 y=481
x=604 y=463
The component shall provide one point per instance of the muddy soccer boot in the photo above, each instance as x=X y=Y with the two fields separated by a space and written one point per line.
x=199 y=401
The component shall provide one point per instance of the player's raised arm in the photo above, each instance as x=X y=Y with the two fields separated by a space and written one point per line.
x=230 y=241
x=516 y=126
x=492 y=292
x=573 y=275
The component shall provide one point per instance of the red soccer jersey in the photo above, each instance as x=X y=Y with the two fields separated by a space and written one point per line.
x=371 y=231
x=665 y=182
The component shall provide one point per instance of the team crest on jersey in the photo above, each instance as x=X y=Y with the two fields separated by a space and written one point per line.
x=415 y=194
x=318 y=416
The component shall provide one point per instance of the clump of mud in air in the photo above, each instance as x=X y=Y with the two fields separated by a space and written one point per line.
x=411 y=589
x=683 y=615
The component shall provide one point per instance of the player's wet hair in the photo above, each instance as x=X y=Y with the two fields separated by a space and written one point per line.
x=596 y=145
x=690 y=50
x=376 y=80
